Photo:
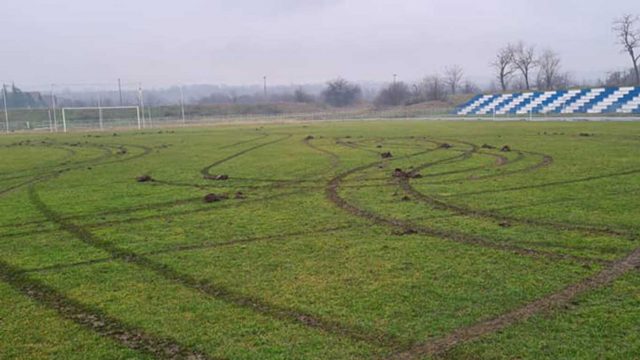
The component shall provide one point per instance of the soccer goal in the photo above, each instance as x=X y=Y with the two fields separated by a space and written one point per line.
x=101 y=117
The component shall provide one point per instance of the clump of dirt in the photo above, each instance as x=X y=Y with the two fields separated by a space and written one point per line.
x=144 y=178
x=405 y=198
x=309 y=137
x=348 y=137
x=399 y=173
x=445 y=146
x=505 y=148
x=585 y=134
x=240 y=195
x=209 y=198
x=504 y=224
x=216 y=177
x=405 y=231
x=121 y=151
x=487 y=146
x=386 y=155
x=115 y=134
x=379 y=146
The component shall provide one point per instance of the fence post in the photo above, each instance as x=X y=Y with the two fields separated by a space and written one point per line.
x=6 y=112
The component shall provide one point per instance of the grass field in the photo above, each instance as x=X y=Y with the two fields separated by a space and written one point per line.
x=319 y=247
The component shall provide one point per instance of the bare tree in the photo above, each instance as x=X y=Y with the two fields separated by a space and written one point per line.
x=470 y=88
x=301 y=96
x=504 y=65
x=395 y=94
x=340 y=92
x=524 y=59
x=434 y=88
x=628 y=32
x=549 y=74
x=619 y=78
x=453 y=78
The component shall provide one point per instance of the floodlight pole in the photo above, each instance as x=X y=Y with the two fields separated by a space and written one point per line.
x=182 y=105
x=100 y=112
x=264 y=78
x=6 y=112
x=120 y=90
x=53 y=107
x=141 y=100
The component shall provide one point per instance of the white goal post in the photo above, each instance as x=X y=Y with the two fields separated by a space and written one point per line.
x=100 y=113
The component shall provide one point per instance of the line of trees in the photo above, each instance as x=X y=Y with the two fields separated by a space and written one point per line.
x=520 y=61
x=436 y=87
x=515 y=65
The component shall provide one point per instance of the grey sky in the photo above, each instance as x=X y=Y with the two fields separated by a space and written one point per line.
x=239 y=41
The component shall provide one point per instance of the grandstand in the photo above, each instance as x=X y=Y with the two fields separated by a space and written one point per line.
x=579 y=101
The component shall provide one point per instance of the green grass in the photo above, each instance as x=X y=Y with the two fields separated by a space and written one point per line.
x=306 y=266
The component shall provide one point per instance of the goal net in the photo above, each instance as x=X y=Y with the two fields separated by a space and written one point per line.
x=101 y=117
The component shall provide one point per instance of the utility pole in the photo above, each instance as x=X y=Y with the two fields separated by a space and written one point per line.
x=182 y=105
x=120 y=90
x=141 y=101
x=264 y=78
x=394 y=78
x=6 y=112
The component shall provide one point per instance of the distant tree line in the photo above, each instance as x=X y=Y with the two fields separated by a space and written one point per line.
x=16 y=98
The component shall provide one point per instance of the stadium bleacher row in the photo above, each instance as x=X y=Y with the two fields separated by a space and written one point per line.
x=591 y=101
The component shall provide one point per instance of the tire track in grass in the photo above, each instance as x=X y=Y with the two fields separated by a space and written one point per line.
x=218 y=291
x=95 y=320
x=161 y=205
x=486 y=214
x=205 y=170
x=261 y=136
x=549 y=303
x=335 y=159
x=100 y=160
x=405 y=184
x=546 y=160
x=551 y=183
x=56 y=172
x=70 y=153
x=274 y=183
x=192 y=247
x=332 y=194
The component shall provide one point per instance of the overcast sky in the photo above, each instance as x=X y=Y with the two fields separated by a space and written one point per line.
x=293 y=41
